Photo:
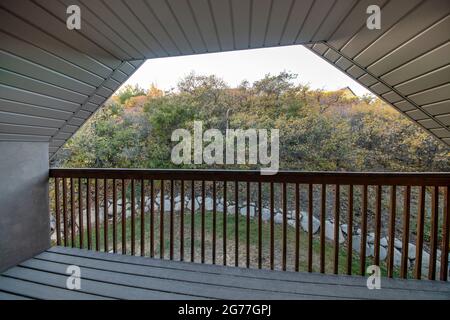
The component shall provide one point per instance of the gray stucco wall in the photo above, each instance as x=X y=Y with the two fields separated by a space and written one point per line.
x=24 y=213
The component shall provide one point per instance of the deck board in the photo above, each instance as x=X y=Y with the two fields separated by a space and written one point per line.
x=316 y=278
x=115 y=276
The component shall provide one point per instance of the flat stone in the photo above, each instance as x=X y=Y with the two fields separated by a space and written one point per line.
x=397 y=243
x=411 y=251
x=383 y=253
x=315 y=224
x=52 y=223
x=329 y=232
x=370 y=250
x=278 y=218
x=344 y=228
x=252 y=211
x=425 y=259
x=189 y=205
x=167 y=205
x=209 y=204
x=231 y=209
x=265 y=214
x=356 y=245
x=291 y=222
x=384 y=242
x=397 y=258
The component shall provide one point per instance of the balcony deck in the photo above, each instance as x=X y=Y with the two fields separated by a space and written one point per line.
x=115 y=276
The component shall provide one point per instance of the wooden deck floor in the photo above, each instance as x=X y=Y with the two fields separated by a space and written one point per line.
x=114 y=276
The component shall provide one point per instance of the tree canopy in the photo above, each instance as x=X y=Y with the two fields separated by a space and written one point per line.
x=319 y=130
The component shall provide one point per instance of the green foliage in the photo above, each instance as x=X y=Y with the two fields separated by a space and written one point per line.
x=128 y=92
x=319 y=130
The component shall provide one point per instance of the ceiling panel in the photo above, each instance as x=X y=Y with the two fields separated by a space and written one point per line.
x=53 y=79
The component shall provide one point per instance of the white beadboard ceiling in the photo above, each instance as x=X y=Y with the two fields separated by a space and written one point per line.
x=52 y=79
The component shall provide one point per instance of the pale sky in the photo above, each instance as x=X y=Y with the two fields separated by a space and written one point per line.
x=250 y=65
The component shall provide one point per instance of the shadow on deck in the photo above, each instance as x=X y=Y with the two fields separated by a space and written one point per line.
x=115 y=276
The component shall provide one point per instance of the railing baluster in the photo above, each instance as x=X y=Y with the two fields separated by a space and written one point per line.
x=297 y=227
x=203 y=224
x=350 y=230
x=323 y=204
x=80 y=213
x=88 y=213
x=284 y=252
x=133 y=217
x=224 y=226
x=97 y=218
x=72 y=213
x=434 y=232
x=445 y=235
x=377 y=226
x=362 y=258
x=310 y=227
x=393 y=207
x=236 y=223
x=114 y=195
x=259 y=225
x=214 y=223
x=183 y=203
x=405 y=238
x=124 y=217
x=272 y=241
x=57 y=213
x=192 y=220
x=65 y=223
x=248 y=227
x=419 y=233
x=152 y=218
x=105 y=214
x=337 y=210
x=171 y=239
x=161 y=221
x=142 y=217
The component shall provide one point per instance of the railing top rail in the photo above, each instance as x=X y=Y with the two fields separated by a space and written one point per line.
x=314 y=177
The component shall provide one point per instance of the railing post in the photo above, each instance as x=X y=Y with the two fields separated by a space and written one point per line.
x=405 y=242
x=323 y=199
x=57 y=213
x=142 y=217
x=362 y=257
x=310 y=226
x=80 y=213
x=434 y=232
x=350 y=230
x=392 y=216
x=419 y=233
x=445 y=235
x=133 y=216
x=337 y=210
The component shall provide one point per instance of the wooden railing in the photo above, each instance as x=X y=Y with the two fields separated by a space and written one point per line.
x=330 y=222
